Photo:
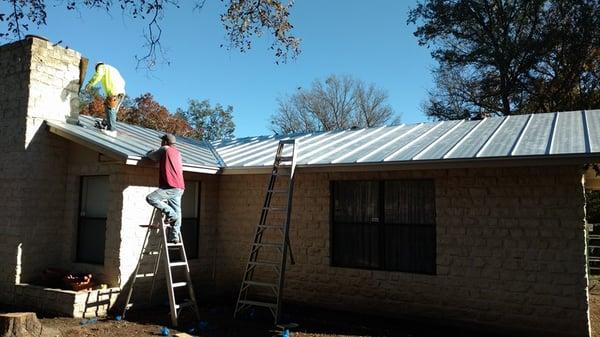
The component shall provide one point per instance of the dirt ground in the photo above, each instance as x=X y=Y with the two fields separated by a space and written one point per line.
x=216 y=322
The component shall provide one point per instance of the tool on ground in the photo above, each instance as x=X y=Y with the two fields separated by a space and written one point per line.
x=263 y=274
x=167 y=250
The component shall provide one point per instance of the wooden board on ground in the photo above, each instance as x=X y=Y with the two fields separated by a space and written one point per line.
x=20 y=324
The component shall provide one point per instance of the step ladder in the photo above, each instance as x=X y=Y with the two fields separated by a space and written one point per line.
x=167 y=251
x=264 y=274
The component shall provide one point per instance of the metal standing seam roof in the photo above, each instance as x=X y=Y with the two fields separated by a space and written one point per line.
x=133 y=142
x=574 y=134
x=546 y=135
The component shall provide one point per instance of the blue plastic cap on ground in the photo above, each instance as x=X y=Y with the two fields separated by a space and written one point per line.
x=165 y=331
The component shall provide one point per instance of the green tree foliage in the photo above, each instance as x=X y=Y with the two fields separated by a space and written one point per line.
x=242 y=20
x=338 y=102
x=503 y=57
x=206 y=121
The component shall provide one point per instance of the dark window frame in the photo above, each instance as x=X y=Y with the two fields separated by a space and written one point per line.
x=81 y=219
x=195 y=254
x=381 y=228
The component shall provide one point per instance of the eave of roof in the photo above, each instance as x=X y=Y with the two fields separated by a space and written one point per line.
x=557 y=136
x=537 y=139
x=131 y=145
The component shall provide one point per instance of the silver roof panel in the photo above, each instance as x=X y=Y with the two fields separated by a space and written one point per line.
x=574 y=133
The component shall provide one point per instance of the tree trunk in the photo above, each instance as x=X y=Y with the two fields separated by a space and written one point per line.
x=20 y=324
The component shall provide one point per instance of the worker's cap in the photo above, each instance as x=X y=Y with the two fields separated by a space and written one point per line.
x=169 y=138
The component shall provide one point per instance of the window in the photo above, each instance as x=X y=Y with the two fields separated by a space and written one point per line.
x=91 y=228
x=388 y=225
x=189 y=213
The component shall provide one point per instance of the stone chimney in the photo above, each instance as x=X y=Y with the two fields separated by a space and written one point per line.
x=38 y=81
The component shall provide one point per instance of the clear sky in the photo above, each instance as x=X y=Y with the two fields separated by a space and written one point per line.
x=369 y=40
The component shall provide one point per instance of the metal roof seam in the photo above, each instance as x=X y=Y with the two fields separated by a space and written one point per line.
x=214 y=152
x=311 y=143
x=254 y=150
x=415 y=157
x=393 y=129
x=341 y=139
x=586 y=132
x=464 y=138
x=68 y=133
x=419 y=126
x=412 y=142
x=235 y=149
x=520 y=137
x=264 y=150
x=491 y=137
x=265 y=156
x=331 y=152
x=550 y=148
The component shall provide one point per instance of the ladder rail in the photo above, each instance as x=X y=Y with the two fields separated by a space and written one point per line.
x=163 y=254
x=287 y=239
x=262 y=227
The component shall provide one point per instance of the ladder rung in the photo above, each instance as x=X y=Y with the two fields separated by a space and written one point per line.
x=288 y=141
x=271 y=226
x=268 y=244
x=594 y=236
x=259 y=304
x=593 y=246
x=594 y=258
x=152 y=252
x=278 y=191
x=177 y=264
x=174 y=245
x=144 y=275
x=276 y=209
x=286 y=158
x=179 y=284
x=264 y=263
x=261 y=284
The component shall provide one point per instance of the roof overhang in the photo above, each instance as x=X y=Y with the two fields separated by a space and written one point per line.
x=120 y=156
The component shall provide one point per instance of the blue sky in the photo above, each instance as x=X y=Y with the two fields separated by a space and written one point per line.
x=366 y=39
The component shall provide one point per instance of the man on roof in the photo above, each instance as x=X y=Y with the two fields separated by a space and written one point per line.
x=114 y=88
x=167 y=198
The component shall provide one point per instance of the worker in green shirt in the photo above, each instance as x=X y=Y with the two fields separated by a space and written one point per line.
x=114 y=89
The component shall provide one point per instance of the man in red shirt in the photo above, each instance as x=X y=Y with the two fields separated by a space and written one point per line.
x=167 y=198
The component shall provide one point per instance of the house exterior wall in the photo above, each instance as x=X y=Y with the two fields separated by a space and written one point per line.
x=135 y=183
x=510 y=249
x=36 y=83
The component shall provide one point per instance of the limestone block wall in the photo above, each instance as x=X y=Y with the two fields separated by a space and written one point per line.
x=32 y=162
x=135 y=183
x=510 y=249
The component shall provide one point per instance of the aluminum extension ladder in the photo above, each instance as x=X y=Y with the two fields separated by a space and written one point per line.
x=165 y=249
x=274 y=269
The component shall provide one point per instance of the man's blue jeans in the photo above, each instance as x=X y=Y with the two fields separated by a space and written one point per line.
x=168 y=201
x=111 y=113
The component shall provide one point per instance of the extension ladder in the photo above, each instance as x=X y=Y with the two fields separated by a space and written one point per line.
x=271 y=271
x=166 y=250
